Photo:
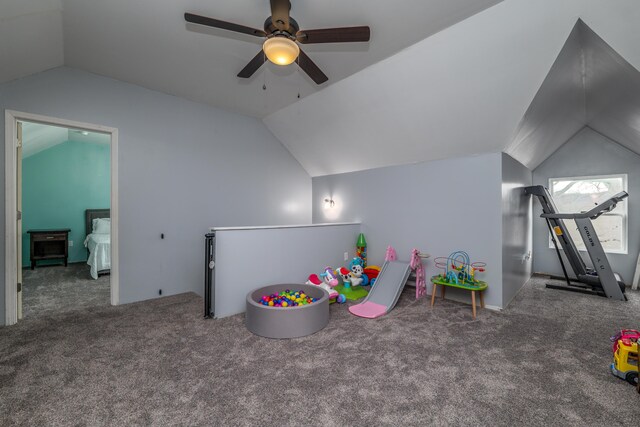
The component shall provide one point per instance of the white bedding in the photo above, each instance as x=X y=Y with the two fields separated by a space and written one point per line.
x=99 y=246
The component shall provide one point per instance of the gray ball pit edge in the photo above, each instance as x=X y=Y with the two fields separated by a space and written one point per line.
x=287 y=322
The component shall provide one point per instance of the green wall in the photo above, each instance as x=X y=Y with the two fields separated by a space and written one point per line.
x=58 y=184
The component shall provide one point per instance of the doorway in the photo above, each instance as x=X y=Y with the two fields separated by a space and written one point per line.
x=61 y=215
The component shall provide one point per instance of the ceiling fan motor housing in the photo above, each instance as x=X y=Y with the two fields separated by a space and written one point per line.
x=271 y=29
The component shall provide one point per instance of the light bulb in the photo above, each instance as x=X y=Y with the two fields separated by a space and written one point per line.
x=281 y=50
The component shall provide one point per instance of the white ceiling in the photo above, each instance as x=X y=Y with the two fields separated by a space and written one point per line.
x=37 y=137
x=30 y=37
x=463 y=91
x=422 y=89
x=147 y=42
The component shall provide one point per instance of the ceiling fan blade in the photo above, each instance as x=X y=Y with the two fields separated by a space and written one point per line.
x=216 y=23
x=335 y=35
x=310 y=67
x=280 y=13
x=253 y=65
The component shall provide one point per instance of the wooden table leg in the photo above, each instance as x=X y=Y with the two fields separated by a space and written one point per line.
x=442 y=291
x=473 y=303
x=481 y=298
x=433 y=294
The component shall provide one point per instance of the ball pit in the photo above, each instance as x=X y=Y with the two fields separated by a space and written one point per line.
x=287 y=298
x=277 y=312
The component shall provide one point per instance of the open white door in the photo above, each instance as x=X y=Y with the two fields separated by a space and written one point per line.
x=19 y=216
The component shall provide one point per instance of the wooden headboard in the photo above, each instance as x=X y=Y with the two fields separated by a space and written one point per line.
x=90 y=215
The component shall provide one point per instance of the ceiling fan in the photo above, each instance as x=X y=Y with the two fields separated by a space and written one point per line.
x=282 y=35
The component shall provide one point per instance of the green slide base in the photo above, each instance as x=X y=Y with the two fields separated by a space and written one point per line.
x=351 y=293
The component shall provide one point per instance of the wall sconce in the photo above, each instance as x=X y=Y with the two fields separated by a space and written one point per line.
x=329 y=203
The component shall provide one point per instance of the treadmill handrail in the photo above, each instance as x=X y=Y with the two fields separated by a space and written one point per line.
x=564 y=238
x=606 y=206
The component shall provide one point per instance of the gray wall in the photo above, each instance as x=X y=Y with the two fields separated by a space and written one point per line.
x=281 y=255
x=183 y=167
x=438 y=207
x=589 y=153
x=516 y=227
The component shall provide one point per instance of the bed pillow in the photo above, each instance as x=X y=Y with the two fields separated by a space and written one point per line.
x=102 y=225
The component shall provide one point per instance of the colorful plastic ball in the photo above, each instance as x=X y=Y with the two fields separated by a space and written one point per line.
x=341 y=299
x=287 y=298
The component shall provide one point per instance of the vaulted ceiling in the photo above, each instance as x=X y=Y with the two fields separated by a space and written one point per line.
x=589 y=84
x=466 y=90
x=147 y=42
x=31 y=38
x=439 y=78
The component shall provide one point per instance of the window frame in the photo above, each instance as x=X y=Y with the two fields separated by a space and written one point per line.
x=622 y=210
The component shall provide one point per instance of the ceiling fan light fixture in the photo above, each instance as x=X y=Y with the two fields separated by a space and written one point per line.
x=281 y=50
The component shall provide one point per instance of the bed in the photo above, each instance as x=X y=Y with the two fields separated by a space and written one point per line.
x=98 y=244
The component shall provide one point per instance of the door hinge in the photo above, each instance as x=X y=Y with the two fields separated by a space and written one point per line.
x=19 y=287
x=19 y=215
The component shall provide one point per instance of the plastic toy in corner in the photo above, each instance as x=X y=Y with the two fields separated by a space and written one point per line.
x=350 y=289
x=357 y=272
x=345 y=275
x=328 y=282
x=329 y=277
x=459 y=270
x=361 y=249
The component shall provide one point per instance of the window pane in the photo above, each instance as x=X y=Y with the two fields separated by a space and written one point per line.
x=610 y=229
x=582 y=194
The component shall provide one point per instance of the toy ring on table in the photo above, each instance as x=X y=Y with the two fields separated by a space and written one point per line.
x=441 y=262
x=480 y=266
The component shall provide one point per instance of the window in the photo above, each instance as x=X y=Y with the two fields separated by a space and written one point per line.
x=581 y=194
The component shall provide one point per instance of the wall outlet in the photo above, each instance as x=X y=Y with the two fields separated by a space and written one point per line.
x=70 y=243
x=346 y=256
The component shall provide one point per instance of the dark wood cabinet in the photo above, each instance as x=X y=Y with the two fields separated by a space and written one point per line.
x=49 y=244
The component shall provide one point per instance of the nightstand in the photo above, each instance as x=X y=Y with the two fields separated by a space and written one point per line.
x=49 y=244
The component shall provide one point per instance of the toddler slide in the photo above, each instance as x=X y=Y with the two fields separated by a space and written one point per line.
x=386 y=291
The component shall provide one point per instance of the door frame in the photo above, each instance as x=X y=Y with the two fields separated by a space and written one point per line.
x=10 y=165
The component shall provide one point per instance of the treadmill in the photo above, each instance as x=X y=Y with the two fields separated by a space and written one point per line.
x=600 y=280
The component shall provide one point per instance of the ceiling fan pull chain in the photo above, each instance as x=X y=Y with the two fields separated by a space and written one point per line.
x=298 y=75
x=264 y=73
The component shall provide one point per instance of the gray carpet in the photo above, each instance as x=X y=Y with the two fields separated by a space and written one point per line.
x=544 y=361
x=55 y=289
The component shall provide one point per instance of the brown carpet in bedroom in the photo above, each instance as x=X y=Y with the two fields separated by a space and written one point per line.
x=56 y=289
x=542 y=362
